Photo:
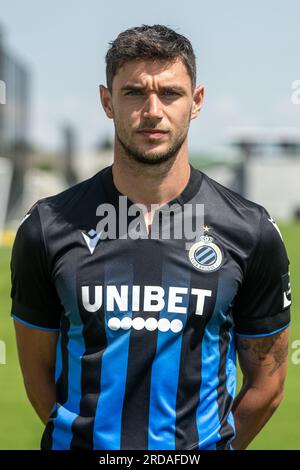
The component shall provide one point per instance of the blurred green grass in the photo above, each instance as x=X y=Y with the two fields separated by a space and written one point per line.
x=21 y=429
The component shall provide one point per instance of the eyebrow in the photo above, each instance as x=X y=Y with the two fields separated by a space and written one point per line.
x=133 y=86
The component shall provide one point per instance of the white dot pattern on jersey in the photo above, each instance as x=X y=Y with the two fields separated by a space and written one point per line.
x=151 y=324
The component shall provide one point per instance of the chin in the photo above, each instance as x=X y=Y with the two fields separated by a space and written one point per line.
x=155 y=159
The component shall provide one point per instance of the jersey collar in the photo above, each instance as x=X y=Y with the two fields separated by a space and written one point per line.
x=189 y=192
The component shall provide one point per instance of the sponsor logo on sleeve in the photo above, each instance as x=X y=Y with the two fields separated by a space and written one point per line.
x=286 y=290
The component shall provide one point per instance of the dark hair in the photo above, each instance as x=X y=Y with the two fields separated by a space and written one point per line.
x=157 y=42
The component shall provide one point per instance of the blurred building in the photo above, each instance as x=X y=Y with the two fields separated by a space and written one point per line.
x=269 y=171
x=89 y=163
x=14 y=121
x=28 y=173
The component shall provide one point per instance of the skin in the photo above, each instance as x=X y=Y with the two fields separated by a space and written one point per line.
x=38 y=370
x=153 y=170
x=161 y=175
x=263 y=362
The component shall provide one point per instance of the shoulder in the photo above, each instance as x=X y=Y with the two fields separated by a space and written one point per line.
x=248 y=225
x=71 y=196
x=234 y=201
x=239 y=214
x=68 y=206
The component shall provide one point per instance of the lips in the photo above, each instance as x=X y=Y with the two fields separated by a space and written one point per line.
x=153 y=133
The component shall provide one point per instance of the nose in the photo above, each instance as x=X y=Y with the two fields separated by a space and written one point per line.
x=152 y=107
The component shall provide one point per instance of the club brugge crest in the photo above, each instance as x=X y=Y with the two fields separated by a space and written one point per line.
x=205 y=255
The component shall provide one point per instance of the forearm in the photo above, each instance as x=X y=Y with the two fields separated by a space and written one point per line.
x=252 y=408
x=41 y=396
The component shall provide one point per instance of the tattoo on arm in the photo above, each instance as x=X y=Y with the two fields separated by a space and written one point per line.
x=276 y=347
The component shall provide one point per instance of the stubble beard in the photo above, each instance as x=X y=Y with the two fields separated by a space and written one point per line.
x=132 y=152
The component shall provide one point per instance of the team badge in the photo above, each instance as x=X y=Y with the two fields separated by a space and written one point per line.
x=205 y=255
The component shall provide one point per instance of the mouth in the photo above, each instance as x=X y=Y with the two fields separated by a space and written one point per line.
x=153 y=133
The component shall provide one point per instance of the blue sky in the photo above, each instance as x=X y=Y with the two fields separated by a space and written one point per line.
x=247 y=54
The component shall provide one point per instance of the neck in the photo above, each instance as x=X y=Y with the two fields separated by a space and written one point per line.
x=151 y=184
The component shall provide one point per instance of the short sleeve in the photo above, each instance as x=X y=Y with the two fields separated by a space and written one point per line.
x=34 y=298
x=262 y=304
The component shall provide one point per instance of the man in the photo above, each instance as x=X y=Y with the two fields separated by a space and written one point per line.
x=129 y=342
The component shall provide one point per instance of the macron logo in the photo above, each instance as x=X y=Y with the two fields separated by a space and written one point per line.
x=91 y=239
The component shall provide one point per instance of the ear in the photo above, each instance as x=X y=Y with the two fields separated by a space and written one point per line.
x=198 y=98
x=106 y=101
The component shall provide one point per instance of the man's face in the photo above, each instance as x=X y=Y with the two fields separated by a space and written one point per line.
x=151 y=104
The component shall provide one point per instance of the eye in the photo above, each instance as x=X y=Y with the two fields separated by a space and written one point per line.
x=133 y=92
x=170 y=93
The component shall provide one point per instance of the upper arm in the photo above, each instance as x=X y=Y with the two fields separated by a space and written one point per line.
x=262 y=312
x=262 y=304
x=37 y=351
x=263 y=361
x=35 y=301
